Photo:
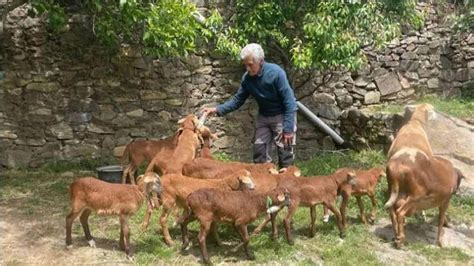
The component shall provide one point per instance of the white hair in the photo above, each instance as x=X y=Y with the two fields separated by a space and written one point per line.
x=254 y=50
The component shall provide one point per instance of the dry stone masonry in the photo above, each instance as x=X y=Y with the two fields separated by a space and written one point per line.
x=63 y=97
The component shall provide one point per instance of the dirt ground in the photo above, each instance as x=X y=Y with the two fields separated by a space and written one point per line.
x=27 y=241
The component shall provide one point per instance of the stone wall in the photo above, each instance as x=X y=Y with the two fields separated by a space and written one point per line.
x=63 y=97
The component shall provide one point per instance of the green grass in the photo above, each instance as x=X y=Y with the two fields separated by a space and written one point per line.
x=462 y=108
x=435 y=254
x=327 y=162
x=222 y=156
x=42 y=193
x=59 y=166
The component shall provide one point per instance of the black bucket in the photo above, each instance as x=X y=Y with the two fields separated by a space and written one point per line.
x=110 y=173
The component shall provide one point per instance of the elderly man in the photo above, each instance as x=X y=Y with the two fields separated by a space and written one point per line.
x=276 y=121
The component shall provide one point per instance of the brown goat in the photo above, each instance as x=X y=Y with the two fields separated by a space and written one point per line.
x=237 y=207
x=265 y=181
x=365 y=183
x=209 y=169
x=176 y=188
x=412 y=138
x=311 y=191
x=139 y=151
x=419 y=184
x=417 y=180
x=188 y=139
x=90 y=194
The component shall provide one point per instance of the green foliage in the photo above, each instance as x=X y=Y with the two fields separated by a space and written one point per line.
x=323 y=34
x=170 y=28
x=164 y=28
x=317 y=34
x=56 y=16
x=463 y=19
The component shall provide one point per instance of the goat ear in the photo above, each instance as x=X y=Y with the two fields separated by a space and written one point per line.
x=201 y=140
x=176 y=135
x=139 y=178
x=297 y=173
x=179 y=131
x=410 y=108
x=181 y=120
x=273 y=171
x=150 y=177
x=431 y=114
x=281 y=197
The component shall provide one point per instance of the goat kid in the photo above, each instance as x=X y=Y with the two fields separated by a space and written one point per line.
x=236 y=207
x=188 y=139
x=310 y=191
x=90 y=194
x=177 y=187
x=365 y=184
x=139 y=151
x=205 y=168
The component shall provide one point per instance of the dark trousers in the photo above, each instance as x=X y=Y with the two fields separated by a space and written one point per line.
x=268 y=131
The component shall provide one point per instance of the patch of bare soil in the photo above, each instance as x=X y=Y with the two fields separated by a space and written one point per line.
x=417 y=232
x=31 y=239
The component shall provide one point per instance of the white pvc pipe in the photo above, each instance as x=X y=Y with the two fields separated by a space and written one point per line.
x=320 y=123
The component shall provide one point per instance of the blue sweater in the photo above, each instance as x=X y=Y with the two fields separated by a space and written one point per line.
x=271 y=90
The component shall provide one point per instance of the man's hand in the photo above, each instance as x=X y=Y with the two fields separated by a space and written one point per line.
x=208 y=111
x=287 y=138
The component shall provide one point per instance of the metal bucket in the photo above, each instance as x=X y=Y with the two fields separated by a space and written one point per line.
x=110 y=173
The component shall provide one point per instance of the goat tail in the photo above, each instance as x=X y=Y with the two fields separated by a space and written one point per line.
x=393 y=178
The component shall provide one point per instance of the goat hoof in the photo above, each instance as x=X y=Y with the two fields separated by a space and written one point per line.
x=342 y=235
x=69 y=247
x=91 y=243
x=185 y=246
x=291 y=242
x=170 y=243
x=439 y=244
x=326 y=218
x=185 y=250
x=398 y=244
x=130 y=257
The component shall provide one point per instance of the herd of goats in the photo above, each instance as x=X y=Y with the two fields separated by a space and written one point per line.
x=182 y=172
